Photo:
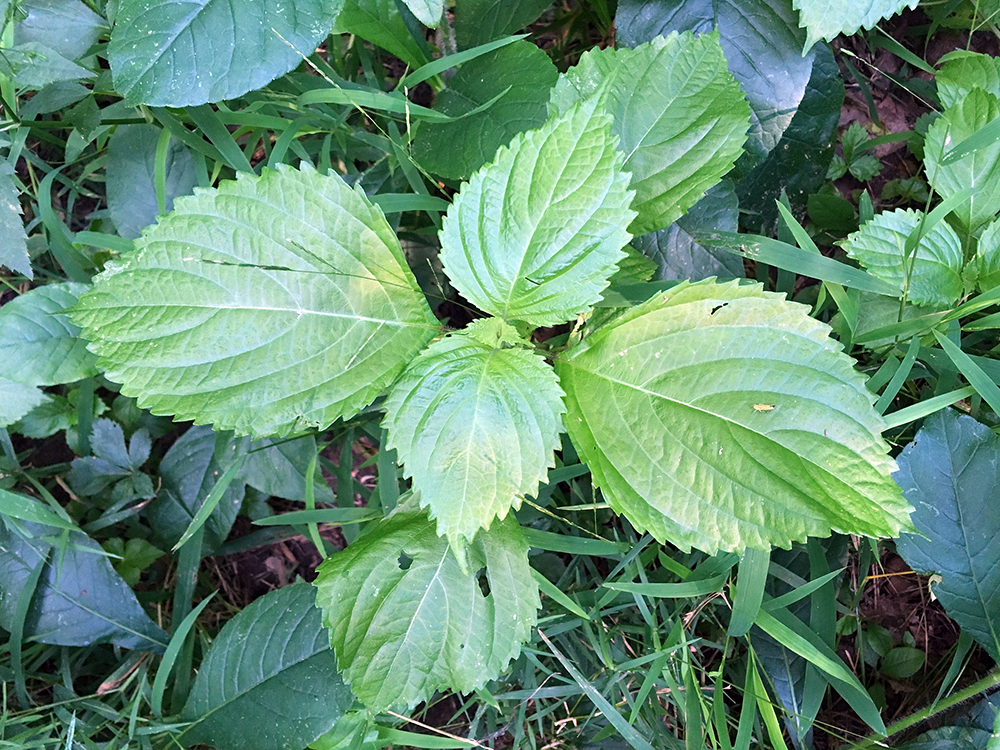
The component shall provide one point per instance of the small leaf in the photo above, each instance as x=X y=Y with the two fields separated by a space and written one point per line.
x=405 y=620
x=38 y=343
x=865 y=168
x=987 y=260
x=428 y=12
x=111 y=461
x=266 y=306
x=961 y=71
x=950 y=473
x=680 y=117
x=269 y=675
x=179 y=53
x=535 y=235
x=935 y=268
x=17 y=400
x=980 y=169
x=475 y=421
x=661 y=407
x=457 y=149
x=13 y=240
x=903 y=662
x=79 y=601
x=825 y=19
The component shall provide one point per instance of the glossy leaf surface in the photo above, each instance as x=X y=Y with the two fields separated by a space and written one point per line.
x=723 y=417
x=266 y=306
x=405 y=620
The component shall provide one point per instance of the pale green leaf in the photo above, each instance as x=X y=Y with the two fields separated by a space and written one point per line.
x=179 y=53
x=267 y=306
x=722 y=417
x=428 y=12
x=934 y=268
x=475 y=421
x=457 y=149
x=987 y=260
x=38 y=343
x=979 y=170
x=68 y=26
x=535 y=235
x=405 y=620
x=13 y=240
x=826 y=19
x=269 y=675
x=679 y=114
x=34 y=66
x=17 y=399
x=961 y=71
x=950 y=474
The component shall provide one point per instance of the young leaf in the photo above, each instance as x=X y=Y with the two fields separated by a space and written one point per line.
x=13 y=240
x=961 y=71
x=980 y=169
x=949 y=472
x=934 y=268
x=270 y=675
x=266 y=306
x=177 y=53
x=475 y=420
x=825 y=19
x=680 y=117
x=535 y=235
x=38 y=343
x=405 y=620
x=723 y=417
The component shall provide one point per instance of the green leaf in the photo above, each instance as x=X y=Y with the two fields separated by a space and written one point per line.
x=13 y=240
x=381 y=23
x=131 y=171
x=987 y=260
x=723 y=417
x=902 y=662
x=762 y=43
x=457 y=149
x=481 y=21
x=680 y=117
x=111 y=461
x=79 y=600
x=269 y=675
x=428 y=12
x=934 y=268
x=679 y=256
x=405 y=620
x=950 y=473
x=278 y=468
x=19 y=506
x=179 y=53
x=979 y=170
x=825 y=19
x=35 y=66
x=535 y=235
x=68 y=26
x=38 y=343
x=17 y=399
x=267 y=306
x=189 y=471
x=961 y=71
x=475 y=421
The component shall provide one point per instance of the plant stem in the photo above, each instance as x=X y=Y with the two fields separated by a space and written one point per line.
x=989 y=681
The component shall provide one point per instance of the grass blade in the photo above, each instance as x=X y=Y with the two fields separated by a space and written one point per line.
x=751 y=576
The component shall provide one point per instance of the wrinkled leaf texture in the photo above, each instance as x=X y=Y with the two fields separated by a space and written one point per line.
x=13 y=240
x=825 y=19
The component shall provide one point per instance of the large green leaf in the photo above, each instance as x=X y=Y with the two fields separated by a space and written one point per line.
x=680 y=117
x=381 y=23
x=67 y=26
x=535 y=235
x=428 y=12
x=825 y=19
x=481 y=21
x=935 y=268
x=722 y=417
x=405 y=620
x=13 y=240
x=475 y=420
x=38 y=343
x=987 y=260
x=951 y=474
x=178 y=53
x=278 y=468
x=79 y=599
x=266 y=306
x=130 y=185
x=17 y=399
x=270 y=675
x=34 y=66
x=961 y=71
x=762 y=43
x=980 y=169
x=457 y=149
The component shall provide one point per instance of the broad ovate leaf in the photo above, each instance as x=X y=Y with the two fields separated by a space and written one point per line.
x=826 y=19
x=406 y=620
x=535 y=235
x=679 y=114
x=932 y=275
x=950 y=474
x=979 y=170
x=722 y=417
x=475 y=420
x=179 y=53
x=961 y=71
x=266 y=306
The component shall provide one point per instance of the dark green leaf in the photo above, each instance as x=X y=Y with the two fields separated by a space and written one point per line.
x=111 y=461
x=381 y=23
x=278 y=468
x=35 y=66
x=481 y=21
x=902 y=662
x=67 y=26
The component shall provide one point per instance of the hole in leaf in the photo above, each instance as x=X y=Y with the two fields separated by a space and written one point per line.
x=718 y=307
x=405 y=561
x=484 y=582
